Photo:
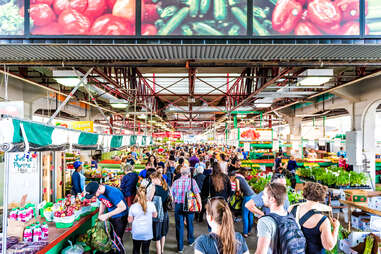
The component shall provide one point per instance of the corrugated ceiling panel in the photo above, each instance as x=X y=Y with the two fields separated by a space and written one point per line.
x=58 y=52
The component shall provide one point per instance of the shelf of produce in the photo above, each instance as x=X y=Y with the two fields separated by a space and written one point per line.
x=58 y=236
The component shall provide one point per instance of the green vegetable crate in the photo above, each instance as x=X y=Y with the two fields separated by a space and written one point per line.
x=358 y=196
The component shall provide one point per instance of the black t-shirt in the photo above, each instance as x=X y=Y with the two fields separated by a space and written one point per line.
x=208 y=244
x=159 y=191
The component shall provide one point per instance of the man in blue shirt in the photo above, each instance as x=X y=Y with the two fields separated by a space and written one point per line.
x=113 y=200
x=76 y=178
x=341 y=153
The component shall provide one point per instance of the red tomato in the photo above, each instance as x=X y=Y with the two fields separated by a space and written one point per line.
x=111 y=25
x=73 y=22
x=352 y=28
x=148 y=29
x=60 y=5
x=110 y=4
x=48 y=2
x=95 y=8
x=125 y=9
x=41 y=14
x=50 y=29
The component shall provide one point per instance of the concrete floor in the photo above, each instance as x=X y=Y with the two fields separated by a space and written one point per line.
x=199 y=228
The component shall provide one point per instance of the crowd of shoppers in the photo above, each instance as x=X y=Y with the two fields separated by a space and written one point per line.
x=222 y=194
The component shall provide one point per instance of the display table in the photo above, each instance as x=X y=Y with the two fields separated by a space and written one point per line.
x=362 y=206
x=58 y=237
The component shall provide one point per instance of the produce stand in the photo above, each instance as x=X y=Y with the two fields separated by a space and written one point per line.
x=58 y=237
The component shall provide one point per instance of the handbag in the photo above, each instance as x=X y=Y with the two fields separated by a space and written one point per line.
x=190 y=203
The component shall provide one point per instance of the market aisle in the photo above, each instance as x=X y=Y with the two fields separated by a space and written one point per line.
x=199 y=228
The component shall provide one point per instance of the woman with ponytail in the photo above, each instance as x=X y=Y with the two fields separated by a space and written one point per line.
x=222 y=239
x=140 y=215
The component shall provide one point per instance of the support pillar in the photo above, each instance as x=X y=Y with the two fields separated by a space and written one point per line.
x=361 y=142
x=295 y=136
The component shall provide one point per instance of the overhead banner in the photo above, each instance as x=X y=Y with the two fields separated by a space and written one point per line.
x=256 y=135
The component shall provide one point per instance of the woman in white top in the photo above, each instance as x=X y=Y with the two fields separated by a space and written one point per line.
x=140 y=215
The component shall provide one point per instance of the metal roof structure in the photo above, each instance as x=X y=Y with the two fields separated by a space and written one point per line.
x=151 y=52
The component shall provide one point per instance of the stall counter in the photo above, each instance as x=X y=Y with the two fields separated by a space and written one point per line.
x=58 y=237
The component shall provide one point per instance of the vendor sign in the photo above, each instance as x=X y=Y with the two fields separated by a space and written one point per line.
x=87 y=126
x=257 y=135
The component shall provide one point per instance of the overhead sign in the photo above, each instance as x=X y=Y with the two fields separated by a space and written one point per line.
x=87 y=126
x=12 y=108
x=256 y=135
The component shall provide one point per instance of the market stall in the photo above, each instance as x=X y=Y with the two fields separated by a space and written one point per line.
x=35 y=153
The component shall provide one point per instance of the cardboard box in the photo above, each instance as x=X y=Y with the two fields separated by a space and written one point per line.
x=345 y=247
x=374 y=203
x=355 y=238
x=359 y=196
x=375 y=223
x=16 y=228
x=356 y=219
x=364 y=224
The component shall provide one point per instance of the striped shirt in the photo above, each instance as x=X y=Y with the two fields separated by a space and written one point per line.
x=181 y=186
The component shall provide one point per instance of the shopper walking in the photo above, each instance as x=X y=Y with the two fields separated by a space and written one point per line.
x=179 y=188
x=161 y=222
x=247 y=194
x=193 y=160
x=223 y=164
x=278 y=232
x=216 y=185
x=77 y=179
x=113 y=207
x=315 y=226
x=223 y=238
x=140 y=215
x=257 y=205
x=128 y=184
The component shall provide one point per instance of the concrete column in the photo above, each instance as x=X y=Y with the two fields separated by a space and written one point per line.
x=362 y=148
x=295 y=125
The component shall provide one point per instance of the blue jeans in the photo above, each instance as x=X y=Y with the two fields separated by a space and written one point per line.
x=247 y=216
x=179 y=219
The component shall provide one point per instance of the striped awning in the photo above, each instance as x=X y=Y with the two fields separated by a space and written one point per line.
x=17 y=134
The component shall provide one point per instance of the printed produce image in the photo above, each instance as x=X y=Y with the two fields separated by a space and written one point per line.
x=11 y=17
x=307 y=17
x=373 y=17
x=82 y=17
x=194 y=17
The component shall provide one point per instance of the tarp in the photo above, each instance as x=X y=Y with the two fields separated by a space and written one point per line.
x=42 y=137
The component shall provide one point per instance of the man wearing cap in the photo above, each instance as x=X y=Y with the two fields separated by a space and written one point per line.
x=112 y=199
x=77 y=179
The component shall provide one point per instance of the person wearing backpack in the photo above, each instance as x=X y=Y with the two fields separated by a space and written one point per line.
x=278 y=231
x=140 y=215
x=315 y=226
x=161 y=222
x=222 y=238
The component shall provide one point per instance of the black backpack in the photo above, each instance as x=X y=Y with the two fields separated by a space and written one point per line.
x=289 y=237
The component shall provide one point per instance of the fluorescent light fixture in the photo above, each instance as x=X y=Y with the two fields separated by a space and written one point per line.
x=68 y=82
x=241 y=115
x=315 y=77
x=263 y=105
x=119 y=105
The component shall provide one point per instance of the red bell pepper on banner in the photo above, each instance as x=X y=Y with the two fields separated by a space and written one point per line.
x=352 y=28
x=125 y=9
x=110 y=4
x=302 y=2
x=324 y=13
x=111 y=25
x=148 y=29
x=60 y=5
x=41 y=14
x=306 y=28
x=286 y=15
x=350 y=9
x=334 y=29
x=74 y=22
x=48 y=2
x=149 y=13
